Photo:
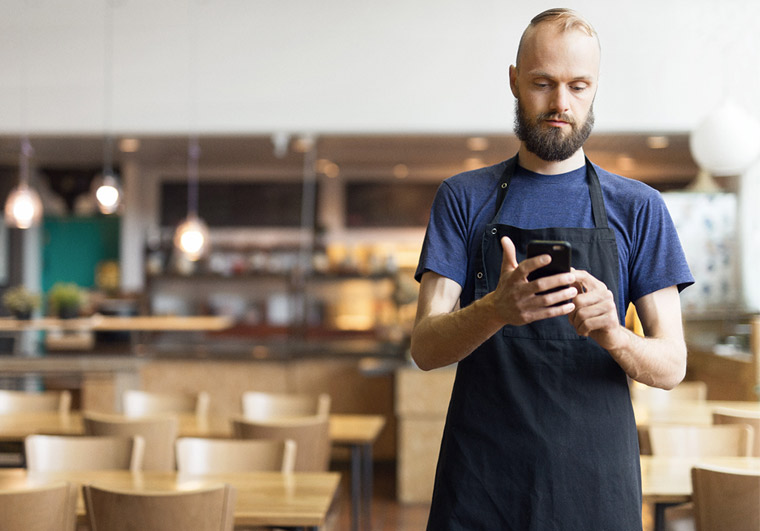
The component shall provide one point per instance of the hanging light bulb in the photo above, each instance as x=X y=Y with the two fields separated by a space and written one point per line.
x=108 y=194
x=23 y=209
x=191 y=237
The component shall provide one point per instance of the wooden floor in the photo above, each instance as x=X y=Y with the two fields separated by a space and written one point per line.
x=388 y=514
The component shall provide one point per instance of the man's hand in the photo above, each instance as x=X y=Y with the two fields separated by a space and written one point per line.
x=595 y=313
x=515 y=300
x=659 y=358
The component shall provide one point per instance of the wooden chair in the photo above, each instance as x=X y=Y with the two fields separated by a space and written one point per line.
x=737 y=416
x=311 y=435
x=725 y=500
x=11 y=452
x=72 y=452
x=210 y=509
x=692 y=390
x=160 y=434
x=701 y=441
x=47 y=508
x=145 y=403
x=677 y=440
x=29 y=402
x=259 y=405
x=218 y=456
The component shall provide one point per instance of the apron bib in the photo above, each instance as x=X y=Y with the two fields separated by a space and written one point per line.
x=540 y=433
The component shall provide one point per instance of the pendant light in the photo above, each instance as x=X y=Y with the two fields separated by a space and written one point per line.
x=23 y=209
x=106 y=188
x=192 y=236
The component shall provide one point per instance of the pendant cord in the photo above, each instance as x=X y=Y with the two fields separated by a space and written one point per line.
x=108 y=47
x=193 y=148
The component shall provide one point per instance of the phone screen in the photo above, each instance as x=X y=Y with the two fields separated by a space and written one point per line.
x=560 y=252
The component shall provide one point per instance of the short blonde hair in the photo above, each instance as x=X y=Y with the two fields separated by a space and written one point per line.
x=563 y=18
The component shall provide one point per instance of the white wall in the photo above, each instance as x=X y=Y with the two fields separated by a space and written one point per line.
x=355 y=66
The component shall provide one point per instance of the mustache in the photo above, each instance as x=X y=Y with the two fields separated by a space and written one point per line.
x=555 y=116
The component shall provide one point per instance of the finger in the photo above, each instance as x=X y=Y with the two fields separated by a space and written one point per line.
x=556 y=298
x=584 y=281
x=509 y=259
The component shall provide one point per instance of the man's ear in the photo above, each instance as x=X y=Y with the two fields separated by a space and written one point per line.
x=513 y=80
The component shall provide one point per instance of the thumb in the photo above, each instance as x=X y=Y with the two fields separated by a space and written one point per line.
x=509 y=259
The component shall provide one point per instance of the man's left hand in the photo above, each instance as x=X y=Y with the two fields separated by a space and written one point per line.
x=595 y=313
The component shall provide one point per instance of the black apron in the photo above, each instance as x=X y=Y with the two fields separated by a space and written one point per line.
x=540 y=433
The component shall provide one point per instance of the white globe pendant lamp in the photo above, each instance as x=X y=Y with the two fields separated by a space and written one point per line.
x=727 y=141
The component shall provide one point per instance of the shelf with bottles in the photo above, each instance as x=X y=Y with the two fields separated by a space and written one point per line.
x=294 y=262
x=346 y=290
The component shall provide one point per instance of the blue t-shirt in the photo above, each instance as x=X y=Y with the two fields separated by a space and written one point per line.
x=650 y=253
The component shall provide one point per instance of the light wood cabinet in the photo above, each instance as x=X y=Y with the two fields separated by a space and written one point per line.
x=422 y=399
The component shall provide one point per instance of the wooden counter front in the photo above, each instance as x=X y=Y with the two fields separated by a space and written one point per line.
x=103 y=323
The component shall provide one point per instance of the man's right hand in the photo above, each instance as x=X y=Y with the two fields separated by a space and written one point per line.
x=515 y=300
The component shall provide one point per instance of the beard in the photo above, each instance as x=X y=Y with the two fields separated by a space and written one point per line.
x=551 y=144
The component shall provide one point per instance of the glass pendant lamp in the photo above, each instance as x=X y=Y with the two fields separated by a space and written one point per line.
x=191 y=237
x=23 y=208
x=106 y=187
x=107 y=192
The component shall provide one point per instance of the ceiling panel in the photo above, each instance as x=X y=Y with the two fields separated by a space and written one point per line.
x=433 y=157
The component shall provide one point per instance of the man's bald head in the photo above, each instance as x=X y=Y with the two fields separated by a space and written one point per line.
x=563 y=19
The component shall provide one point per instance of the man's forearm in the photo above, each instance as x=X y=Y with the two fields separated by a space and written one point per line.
x=442 y=339
x=654 y=361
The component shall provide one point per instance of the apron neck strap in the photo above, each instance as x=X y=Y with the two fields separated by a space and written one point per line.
x=595 y=191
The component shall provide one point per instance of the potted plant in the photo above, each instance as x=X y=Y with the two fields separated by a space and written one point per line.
x=65 y=299
x=21 y=302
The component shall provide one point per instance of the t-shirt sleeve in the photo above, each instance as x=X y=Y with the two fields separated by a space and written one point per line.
x=444 y=250
x=657 y=259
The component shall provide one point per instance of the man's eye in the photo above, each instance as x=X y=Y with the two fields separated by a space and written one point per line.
x=578 y=88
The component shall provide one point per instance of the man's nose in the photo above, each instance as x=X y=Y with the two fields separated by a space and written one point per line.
x=560 y=100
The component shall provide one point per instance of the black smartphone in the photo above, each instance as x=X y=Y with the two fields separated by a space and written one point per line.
x=560 y=252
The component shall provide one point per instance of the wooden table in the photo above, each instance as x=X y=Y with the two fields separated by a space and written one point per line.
x=263 y=498
x=687 y=411
x=667 y=480
x=357 y=432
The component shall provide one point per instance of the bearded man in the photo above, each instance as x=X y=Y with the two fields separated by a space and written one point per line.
x=540 y=433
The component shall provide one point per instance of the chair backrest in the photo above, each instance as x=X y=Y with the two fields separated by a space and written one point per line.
x=691 y=390
x=137 y=403
x=737 y=416
x=160 y=434
x=725 y=499
x=74 y=452
x=47 y=508
x=678 y=440
x=28 y=401
x=219 y=456
x=258 y=405
x=311 y=435
x=210 y=509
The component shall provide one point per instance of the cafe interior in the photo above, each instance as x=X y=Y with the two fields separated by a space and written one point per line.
x=213 y=213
